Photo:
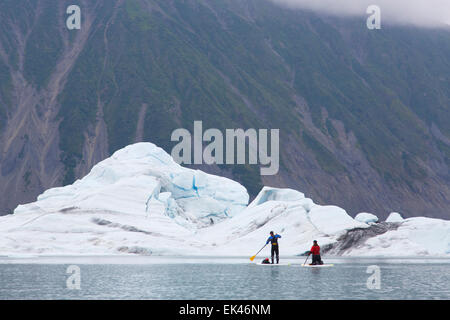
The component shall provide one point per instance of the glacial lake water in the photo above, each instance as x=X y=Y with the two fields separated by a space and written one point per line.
x=221 y=278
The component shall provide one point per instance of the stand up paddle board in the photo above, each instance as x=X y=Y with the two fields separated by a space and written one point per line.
x=273 y=265
x=317 y=265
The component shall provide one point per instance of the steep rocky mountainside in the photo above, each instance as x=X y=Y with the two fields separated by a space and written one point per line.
x=363 y=114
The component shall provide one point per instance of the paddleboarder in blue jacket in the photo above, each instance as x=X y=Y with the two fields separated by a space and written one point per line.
x=273 y=239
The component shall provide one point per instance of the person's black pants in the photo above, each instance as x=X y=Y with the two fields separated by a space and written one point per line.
x=275 y=251
x=316 y=259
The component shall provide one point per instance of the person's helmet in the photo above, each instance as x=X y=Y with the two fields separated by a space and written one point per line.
x=315 y=241
x=271 y=232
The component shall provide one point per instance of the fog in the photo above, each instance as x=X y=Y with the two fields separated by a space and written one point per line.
x=424 y=13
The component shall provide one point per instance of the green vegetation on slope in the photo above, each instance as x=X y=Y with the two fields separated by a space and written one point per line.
x=44 y=45
x=5 y=93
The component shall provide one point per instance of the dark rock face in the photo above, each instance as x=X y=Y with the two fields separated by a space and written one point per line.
x=356 y=237
x=363 y=115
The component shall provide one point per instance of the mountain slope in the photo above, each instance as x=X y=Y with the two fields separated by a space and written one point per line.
x=363 y=115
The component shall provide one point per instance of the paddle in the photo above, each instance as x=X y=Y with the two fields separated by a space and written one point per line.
x=306 y=259
x=253 y=257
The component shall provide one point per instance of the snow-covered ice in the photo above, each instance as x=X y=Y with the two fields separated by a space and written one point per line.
x=366 y=217
x=417 y=236
x=394 y=217
x=139 y=201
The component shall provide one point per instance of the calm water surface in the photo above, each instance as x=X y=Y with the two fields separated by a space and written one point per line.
x=221 y=278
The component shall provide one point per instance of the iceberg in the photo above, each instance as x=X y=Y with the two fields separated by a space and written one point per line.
x=143 y=179
x=418 y=236
x=140 y=201
x=137 y=198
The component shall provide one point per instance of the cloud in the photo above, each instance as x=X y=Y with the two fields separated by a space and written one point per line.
x=425 y=13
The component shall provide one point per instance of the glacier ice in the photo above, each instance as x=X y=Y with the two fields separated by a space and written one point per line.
x=142 y=179
x=139 y=201
x=417 y=236
x=366 y=217
x=394 y=217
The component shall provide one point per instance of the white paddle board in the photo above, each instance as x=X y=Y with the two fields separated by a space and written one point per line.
x=273 y=265
x=317 y=265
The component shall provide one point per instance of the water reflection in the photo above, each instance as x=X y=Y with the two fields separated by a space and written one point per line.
x=315 y=271
x=275 y=272
x=224 y=281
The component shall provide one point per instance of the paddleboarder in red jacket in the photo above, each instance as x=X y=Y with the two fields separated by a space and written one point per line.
x=315 y=251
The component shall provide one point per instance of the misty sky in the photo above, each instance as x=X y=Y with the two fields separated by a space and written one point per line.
x=426 y=13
